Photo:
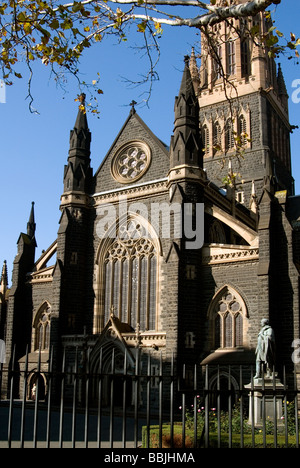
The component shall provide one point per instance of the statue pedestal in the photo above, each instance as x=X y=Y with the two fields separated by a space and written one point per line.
x=265 y=401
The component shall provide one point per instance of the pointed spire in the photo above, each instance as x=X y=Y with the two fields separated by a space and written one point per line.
x=186 y=88
x=281 y=89
x=81 y=121
x=186 y=144
x=281 y=82
x=80 y=136
x=31 y=223
x=4 y=279
x=186 y=103
x=194 y=72
x=78 y=172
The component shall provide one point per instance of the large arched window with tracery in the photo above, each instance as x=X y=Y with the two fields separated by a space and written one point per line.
x=130 y=277
x=229 y=319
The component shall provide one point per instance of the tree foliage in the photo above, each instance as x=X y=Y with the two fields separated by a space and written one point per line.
x=57 y=34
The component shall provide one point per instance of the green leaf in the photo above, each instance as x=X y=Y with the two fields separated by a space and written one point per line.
x=142 y=27
x=54 y=24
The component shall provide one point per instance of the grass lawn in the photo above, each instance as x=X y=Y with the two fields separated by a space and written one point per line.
x=213 y=439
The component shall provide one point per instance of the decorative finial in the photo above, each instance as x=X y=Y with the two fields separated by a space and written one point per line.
x=132 y=104
x=138 y=336
x=112 y=312
x=31 y=223
x=81 y=98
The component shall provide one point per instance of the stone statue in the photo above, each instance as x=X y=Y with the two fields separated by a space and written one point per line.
x=265 y=350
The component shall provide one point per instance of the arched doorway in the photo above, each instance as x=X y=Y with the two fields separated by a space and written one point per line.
x=223 y=391
x=36 y=387
x=112 y=378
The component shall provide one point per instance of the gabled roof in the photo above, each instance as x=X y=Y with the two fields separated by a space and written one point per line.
x=134 y=115
x=112 y=336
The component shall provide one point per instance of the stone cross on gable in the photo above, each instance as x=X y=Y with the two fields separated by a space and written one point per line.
x=132 y=104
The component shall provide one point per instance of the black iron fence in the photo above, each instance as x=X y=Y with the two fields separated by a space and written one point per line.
x=145 y=405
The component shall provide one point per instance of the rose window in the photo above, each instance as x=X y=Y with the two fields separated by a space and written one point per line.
x=131 y=162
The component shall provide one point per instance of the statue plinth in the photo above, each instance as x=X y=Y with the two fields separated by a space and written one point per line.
x=265 y=401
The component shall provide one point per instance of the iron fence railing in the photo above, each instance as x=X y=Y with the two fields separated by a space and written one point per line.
x=146 y=406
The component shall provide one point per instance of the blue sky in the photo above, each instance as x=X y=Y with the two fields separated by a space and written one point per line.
x=34 y=147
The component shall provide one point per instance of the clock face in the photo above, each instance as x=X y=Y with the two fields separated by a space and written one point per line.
x=131 y=162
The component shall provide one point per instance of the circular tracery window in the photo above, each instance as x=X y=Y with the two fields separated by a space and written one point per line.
x=131 y=162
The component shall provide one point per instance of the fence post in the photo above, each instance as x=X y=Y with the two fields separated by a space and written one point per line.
x=74 y=400
x=62 y=390
x=99 y=415
x=285 y=408
x=24 y=401
x=87 y=395
x=172 y=402
x=263 y=407
x=160 y=390
x=11 y=400
x=136 y=396
x=252 y=408
x=241 y=408
x=218 y=407
x=229 y=409
x=296 y=408
x=206 y=405
x=195 y=408
x=124 y=400
x=275 y=409
x=50 y=370
x=36 y=403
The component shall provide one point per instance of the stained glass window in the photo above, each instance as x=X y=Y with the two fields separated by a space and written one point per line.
x=42 y=334
x=130 y=271
x=228 y=321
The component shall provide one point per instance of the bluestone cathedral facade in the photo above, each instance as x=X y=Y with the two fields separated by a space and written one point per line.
x=112 y=280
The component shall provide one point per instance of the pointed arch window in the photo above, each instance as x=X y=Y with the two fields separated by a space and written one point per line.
x=130 y=277
x=205 y=137
x=242 y=130
x=229 y=135
x=42 y=328
x=217 y=63
x=216 y=233
x=245 y=58
x=217 y=137
x=230 y=50
x=228 y=318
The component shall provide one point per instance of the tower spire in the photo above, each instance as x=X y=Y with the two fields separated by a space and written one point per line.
x=78 y=174
x=31 y=223
x=186 y=145
x=80 y=137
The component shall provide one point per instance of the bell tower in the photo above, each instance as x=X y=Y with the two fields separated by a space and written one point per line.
x=244 y=109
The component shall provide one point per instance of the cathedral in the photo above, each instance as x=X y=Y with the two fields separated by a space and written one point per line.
x=174 y=250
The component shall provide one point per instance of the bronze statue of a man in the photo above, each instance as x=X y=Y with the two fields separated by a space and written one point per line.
x=265 y=350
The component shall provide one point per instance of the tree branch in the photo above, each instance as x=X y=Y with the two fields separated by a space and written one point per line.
x=215 y=16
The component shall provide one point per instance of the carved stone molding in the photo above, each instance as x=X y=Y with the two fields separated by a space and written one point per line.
x=227 y=254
